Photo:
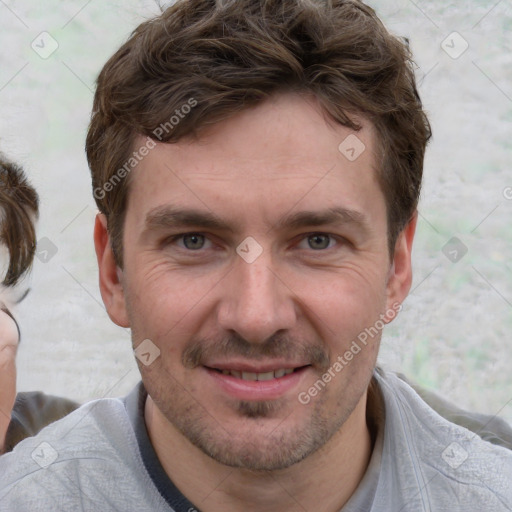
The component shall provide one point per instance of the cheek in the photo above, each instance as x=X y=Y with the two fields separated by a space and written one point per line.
x=165 y=302
x=345 y=304
x=8 y=332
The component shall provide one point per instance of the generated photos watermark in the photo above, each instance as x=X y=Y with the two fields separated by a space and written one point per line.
x=144 y=150
x=355 y=348
x=147 y=352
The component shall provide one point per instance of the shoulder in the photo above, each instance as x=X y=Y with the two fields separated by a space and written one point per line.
x=32 y=412
x=93 y=443
x=88 y=429
x=443 y=459
x=490 y=428
x=89 y=460
x=37 y=401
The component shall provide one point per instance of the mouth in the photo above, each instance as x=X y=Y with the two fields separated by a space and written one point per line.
x=259 y=376
x=257 y=383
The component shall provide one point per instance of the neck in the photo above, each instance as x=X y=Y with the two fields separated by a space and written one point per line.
x=333 y=472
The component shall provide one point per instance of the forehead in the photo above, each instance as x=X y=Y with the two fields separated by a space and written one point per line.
x=283 y=153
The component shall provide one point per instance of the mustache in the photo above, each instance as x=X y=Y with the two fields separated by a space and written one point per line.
x=201 y=351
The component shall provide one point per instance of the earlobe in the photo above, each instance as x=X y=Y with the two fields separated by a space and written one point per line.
x=110 y=275
x=400 y=274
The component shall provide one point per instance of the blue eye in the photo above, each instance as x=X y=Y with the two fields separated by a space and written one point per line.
x=193 y=241
x=318 y=242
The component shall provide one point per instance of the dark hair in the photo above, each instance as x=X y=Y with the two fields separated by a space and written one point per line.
x=19 y=207
x=223 y=56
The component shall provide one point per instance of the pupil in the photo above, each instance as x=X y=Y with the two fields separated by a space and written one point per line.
x=319 y=242
x=193 y=241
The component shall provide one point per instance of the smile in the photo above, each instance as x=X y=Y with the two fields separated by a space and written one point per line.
x=275 y=374
x=249 y=382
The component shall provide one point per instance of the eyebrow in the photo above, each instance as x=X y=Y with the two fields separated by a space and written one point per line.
x=330 y=216
x=167 y=217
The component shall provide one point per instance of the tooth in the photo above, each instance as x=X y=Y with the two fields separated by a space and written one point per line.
x=276 y=374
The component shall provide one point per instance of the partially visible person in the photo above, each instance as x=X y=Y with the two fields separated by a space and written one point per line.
x=23 y=415
x=8 y=345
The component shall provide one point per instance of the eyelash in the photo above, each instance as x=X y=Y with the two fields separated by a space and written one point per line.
x=175 y=238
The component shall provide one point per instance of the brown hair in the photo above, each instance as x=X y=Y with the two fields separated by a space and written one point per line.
x=224 y=56
x=19 y=207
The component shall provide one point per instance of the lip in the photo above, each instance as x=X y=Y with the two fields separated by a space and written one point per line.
x=244 y=366
x=256 y=390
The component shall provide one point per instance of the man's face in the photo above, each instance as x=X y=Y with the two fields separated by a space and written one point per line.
x=258 y=251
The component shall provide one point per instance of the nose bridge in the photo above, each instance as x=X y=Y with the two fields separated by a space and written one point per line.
x=255 y=303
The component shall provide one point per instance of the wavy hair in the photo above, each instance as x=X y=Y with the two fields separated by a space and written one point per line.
x=19 y=208
x=229 y=55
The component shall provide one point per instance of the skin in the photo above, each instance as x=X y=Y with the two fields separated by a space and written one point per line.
x=8 y=346
x=301 y=303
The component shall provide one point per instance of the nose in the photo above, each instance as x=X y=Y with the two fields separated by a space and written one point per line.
x=256 y=302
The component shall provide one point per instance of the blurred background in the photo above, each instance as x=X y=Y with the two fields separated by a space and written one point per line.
x=454 y=334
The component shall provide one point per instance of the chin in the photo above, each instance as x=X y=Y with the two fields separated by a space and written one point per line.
x=265 y=451
x=256 y=438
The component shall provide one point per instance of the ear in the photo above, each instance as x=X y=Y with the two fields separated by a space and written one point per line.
x=110 y=274
x=400 y=272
